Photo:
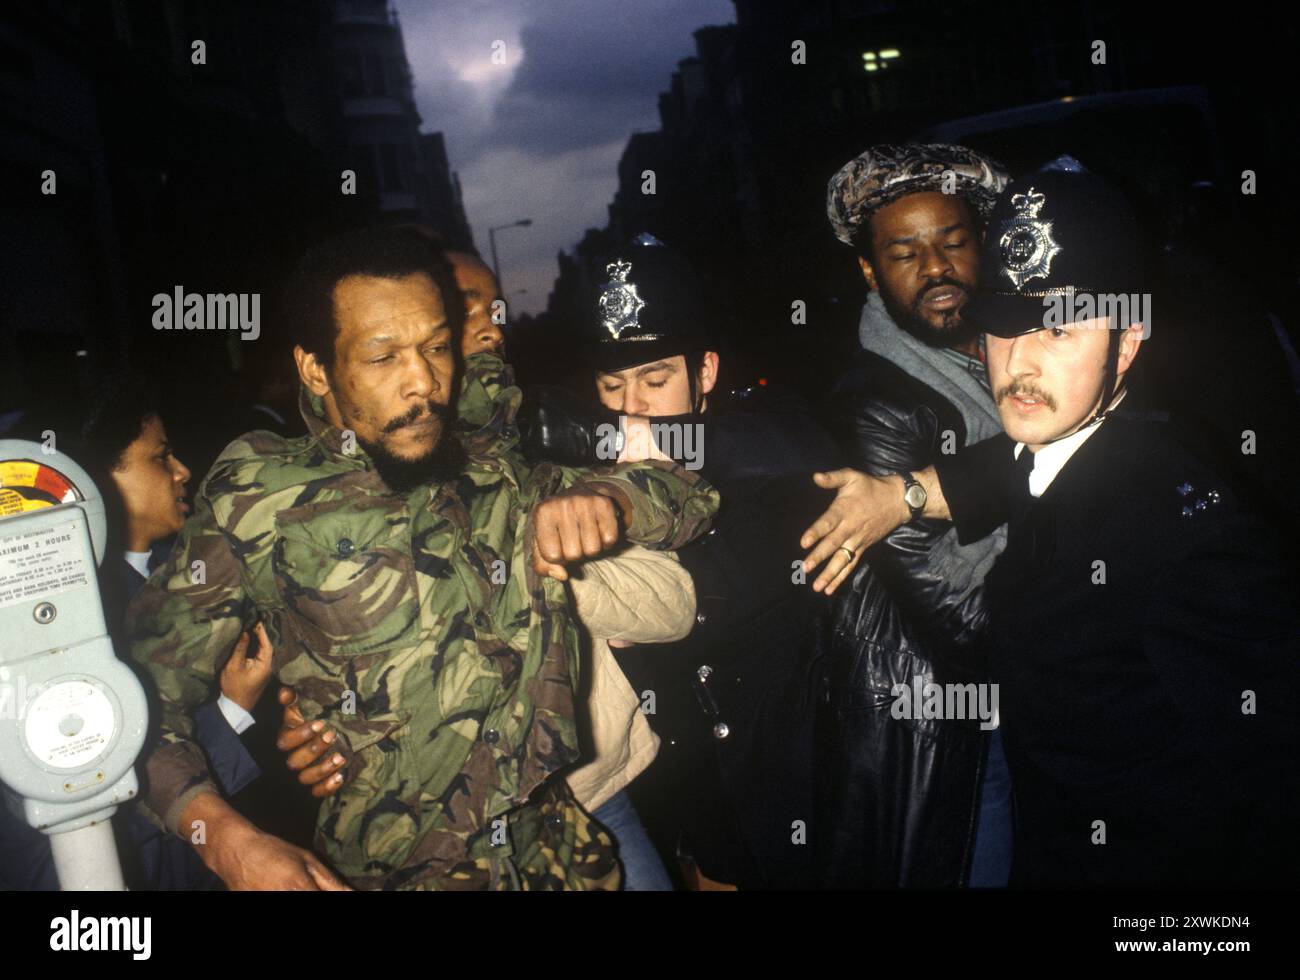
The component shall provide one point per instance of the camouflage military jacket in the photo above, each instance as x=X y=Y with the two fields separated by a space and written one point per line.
x=417 y=627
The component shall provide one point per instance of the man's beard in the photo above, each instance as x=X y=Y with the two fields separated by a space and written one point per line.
x=443 y=462
x=954 y=331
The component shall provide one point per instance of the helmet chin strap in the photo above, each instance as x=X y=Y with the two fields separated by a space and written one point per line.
x=1110 y=385
x=1111 y=389
x=692 y=380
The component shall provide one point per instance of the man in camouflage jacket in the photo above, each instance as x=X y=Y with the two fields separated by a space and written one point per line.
x=419 y=628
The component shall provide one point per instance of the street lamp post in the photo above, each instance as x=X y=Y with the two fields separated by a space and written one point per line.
x=492 y=242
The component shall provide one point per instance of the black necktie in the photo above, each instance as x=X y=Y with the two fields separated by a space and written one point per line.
x=1024 y=466
x=1019 y=486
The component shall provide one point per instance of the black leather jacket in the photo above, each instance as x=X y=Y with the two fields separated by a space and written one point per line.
x=897 y=799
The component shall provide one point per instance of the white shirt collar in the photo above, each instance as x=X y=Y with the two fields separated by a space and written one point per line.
x=1051 y=459
x=139 y=560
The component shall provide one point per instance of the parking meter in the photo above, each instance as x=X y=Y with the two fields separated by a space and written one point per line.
x=72 y=716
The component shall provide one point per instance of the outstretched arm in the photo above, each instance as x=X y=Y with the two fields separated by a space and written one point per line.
x=584 y=513
x=978 y=489
x=635 y=596
x=865 y=509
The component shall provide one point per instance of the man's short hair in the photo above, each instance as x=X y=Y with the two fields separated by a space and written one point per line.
x=384 y=253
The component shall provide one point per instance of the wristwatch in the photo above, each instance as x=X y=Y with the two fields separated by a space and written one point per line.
x=913 y=495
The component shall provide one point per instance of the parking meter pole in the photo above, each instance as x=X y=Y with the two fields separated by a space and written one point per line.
x=86 y=859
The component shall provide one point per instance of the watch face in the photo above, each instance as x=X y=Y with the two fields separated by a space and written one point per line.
x=915 y=496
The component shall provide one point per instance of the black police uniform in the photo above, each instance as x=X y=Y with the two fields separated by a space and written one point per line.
x=1142 y=626
x=1136 y=755
x=733 y=700
x=731 y=786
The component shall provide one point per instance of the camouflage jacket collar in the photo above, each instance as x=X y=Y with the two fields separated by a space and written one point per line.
x=322 y=432
x=486 y=407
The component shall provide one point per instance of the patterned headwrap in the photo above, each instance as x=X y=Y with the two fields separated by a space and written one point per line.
x=887 y=172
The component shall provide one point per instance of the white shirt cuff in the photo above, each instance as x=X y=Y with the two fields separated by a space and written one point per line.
x=238 y=719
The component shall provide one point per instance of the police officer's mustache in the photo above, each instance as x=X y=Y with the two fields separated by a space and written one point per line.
x=1018 y=390
x=418 y=413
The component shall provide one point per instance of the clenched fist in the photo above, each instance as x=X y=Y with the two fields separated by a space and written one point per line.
x=572 y=526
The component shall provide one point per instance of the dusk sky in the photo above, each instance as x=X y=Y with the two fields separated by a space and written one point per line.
x=540 y=135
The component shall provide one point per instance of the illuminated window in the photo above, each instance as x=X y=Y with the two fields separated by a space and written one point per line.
x=879 y=60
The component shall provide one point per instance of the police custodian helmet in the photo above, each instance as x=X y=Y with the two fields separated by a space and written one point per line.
x=649 y=305
x=1061 y=231
x=1057 y=235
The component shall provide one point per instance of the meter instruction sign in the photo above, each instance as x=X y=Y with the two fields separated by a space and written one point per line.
x=42 y=562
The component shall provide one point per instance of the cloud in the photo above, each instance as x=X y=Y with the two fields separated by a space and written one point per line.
x=563 y=194
x=539 y=136
x=457 y=83
x=588 y=75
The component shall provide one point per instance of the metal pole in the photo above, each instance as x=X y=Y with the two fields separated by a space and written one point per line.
x=86 y=859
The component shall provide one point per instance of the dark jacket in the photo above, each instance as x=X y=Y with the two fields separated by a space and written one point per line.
x=897 y=798
x=731 y=785
x=1152 y=697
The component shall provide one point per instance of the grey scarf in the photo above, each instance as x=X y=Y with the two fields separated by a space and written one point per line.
x=880 y=335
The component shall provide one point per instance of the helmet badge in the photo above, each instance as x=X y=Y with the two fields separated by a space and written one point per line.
x=619 y=302
x=1027 y=244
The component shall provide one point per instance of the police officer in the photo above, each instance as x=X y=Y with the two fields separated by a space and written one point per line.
x=1143 y=627
x=729 y=793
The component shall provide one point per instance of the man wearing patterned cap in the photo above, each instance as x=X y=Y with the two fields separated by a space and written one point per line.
x=914 y=215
